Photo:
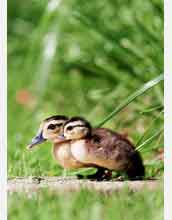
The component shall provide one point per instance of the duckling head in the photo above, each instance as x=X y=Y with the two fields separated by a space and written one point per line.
x=49 y=129
x=76 y=128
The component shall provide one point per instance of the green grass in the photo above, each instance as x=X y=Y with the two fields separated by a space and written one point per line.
x=97 y=68
x=123 y=205
x=102 y=54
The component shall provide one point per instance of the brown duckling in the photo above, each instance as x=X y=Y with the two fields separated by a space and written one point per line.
x=50 y=129
x=103 y=148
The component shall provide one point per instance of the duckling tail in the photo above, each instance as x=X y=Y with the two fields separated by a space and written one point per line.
x=136 y=169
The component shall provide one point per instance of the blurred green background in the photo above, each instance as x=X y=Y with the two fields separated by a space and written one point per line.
x=84 y=58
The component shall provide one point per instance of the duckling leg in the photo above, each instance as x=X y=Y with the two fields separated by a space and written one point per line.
x=101 y=174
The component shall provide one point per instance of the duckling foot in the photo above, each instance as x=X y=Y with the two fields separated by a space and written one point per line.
x=79 y=176
x=136 y=178
x=100 y=175
x=37 y=179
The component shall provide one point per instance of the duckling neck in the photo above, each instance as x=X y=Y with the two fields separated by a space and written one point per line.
x=62 y=154
x=79 y=150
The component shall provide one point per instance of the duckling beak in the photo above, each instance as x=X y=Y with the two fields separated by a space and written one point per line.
x=36 y=140
x=61 y=137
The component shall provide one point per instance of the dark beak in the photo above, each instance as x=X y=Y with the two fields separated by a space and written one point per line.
x=36 y=140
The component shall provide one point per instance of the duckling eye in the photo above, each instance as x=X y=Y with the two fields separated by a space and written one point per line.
x=51 y=126
x=69 y=128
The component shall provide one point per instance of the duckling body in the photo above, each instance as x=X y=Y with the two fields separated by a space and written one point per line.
x=108 y=149
x=102 y=147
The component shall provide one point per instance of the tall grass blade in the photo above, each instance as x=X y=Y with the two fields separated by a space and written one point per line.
x=152 y=109
x=149 y=128
x=149 y=140
x=132 y=97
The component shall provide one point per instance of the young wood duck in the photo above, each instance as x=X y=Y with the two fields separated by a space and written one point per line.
x=103 y=148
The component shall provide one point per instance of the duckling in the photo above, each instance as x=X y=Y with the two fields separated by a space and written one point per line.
x=50 y=129
x=103 y=148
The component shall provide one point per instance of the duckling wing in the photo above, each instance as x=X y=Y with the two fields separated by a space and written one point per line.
x=109 y=149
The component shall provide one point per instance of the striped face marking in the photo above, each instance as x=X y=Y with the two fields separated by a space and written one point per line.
x=54 y=124
x=75 y=130
x=72 y=125
x=52 y=128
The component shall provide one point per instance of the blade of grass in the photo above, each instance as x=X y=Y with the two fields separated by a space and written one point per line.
x=132 y=97
x=149 y=128
x=152 y=109
x=84 y=19
x=149 y=140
